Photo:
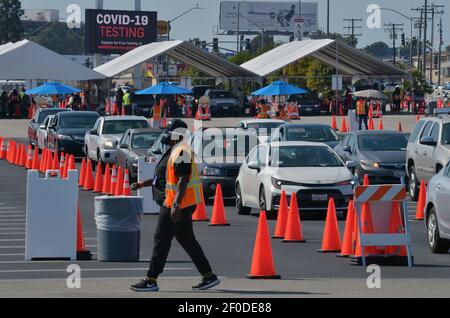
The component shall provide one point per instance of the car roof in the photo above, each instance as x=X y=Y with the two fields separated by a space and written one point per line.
x=377 y=132
x=120 y=118
x=76 y=114
x=439 y=118
x=296 y=144
x=305 y=125
x=145 y=130
x=48 y=110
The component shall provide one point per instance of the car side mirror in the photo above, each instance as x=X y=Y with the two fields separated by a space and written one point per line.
x=351 y=164
x=428 y=141
x=93 y=132
x=347 y=149
x=254 y=166
x=42 y=126
x=123 y=146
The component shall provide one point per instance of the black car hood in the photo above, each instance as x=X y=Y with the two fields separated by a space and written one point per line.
x=384 y=156
x=73 y=132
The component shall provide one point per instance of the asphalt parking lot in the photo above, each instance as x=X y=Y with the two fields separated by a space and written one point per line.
x=304 y=271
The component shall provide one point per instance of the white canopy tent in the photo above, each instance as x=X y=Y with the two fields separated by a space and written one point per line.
x=338 y=54
x=179 y=50
x=26 y=60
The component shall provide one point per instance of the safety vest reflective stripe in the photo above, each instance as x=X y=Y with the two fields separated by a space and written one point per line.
x=193 y=195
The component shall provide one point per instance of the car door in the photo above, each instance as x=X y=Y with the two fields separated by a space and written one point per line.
x=92 y=140
x=246 y=184
x=52 y=135
x=120 y=150
x=41 y=133
x=442 y=188
x=340 y=148
x=125 y=152
x=254 y=179
x=422 y=153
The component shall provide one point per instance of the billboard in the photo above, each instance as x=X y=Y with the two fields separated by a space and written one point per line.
x=117 y=32
x=270 y=16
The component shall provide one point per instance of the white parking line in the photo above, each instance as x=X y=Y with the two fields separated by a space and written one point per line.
x=12 y=240
x=12 y=217
x=12 y=228
x=12 y=211
x=11 y=247
x=13 y=233
x=89 y=270
x=15 y=254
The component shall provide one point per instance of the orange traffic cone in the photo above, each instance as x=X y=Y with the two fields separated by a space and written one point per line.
x=366 y=180
x=371 y=124
x=18 y=154
x=200 y=214
x=331 y=242
x=294 y=233
x=66 y=166
x=88 y=184
x=29 y=163
x=344 y=128
x=417 y=118
x=112 y=189
x=98 y=179
x=82 y=253
x=55 y=165
x=347 y=244
x=367 y=228
x=399 y=127
x=262 y=262
x=82 y=173
x=62 y=164
x=107 y=180
x=21 y=156
x=280 y=228
x=3 y=149
x=42 y=161
x=396 y=227
x=126 y=184
x=119 y=185
x=70 y=166
x=422 y=201
x=24 y=161
x=36 y=163
x=218 y=215
x=380 y=124
x=333 y=123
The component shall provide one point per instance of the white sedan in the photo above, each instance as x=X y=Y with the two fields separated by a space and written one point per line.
x=311 y=171
x=42 y=132
x=437 y=214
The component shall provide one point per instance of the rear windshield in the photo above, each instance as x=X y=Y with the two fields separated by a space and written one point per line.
x=382 y=142
x=144 y=141
x=119 y=127
x=304 y=156
x=223 y=94
x=313 y=134
x=77 y=122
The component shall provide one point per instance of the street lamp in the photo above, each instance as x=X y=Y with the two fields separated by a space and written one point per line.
x=179 y=16
x=411 y=20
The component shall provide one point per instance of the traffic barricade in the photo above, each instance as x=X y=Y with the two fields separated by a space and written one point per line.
x=51 y=216
x=378 y=203
x=146 y=171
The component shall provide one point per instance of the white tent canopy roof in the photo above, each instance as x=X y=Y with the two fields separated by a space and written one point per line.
x=26 y=60
x=350 y=60
x=179 y=50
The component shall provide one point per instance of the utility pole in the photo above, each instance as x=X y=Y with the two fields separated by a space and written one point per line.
x=419 y=44
x=328 y=18
x=238 y=26
x=393 y=28
x=425 y=25
x=98 y=58
x=351 y=29
x=441 y=42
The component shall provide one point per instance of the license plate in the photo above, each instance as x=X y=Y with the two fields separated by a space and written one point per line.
x=308 y=109
x=319 y=197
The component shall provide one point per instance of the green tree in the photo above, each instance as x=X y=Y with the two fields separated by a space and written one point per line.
x=377 y=49
x=59 y=38
x=11 y=29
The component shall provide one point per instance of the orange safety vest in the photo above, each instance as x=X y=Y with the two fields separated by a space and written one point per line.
x=361 y=107
x=194 y=191
x=263 y=111
x=157 y=112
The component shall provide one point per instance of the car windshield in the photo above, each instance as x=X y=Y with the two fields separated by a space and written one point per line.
x=222 y=94
x=43 y=115
x=229 y=146
x=144 y=140
x=395 y=142
x=119 y=127
x=304 y=156
x=313 y=134
x=77 y=122
x=446 y=135
x=263 y=129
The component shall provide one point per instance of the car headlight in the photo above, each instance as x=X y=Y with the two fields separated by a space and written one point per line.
x=345 y=183
x=277 y=183
x=370 y=164
x=212 y=172
x=64 y=137
x=109 y=145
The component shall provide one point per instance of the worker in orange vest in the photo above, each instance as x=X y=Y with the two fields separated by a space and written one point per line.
x=157 y=115
x=183 y=192
x=361 y=113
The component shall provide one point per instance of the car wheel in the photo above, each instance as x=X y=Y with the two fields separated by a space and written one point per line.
x=241 y=210
x=413 y=184
x=437 y=244
x=271 y=215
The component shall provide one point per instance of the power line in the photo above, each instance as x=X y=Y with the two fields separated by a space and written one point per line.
x=351 y=29
x=393 y=28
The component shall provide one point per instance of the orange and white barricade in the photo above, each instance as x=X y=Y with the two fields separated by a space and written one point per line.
x=292 y=112
x=378 y=207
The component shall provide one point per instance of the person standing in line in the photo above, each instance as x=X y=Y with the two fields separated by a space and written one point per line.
x=119 y=99
x=182 y=194
x=361 y=113
x=3 y=104
x=126 y=104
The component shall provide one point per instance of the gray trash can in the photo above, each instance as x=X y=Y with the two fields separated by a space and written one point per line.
x=118 y=222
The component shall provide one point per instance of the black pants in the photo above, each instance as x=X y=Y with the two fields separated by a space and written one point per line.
x=184 y=233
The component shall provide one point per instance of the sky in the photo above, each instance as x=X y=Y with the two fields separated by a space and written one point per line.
x=201 y=23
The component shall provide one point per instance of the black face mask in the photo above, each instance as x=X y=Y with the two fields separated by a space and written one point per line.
x=166 y=139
